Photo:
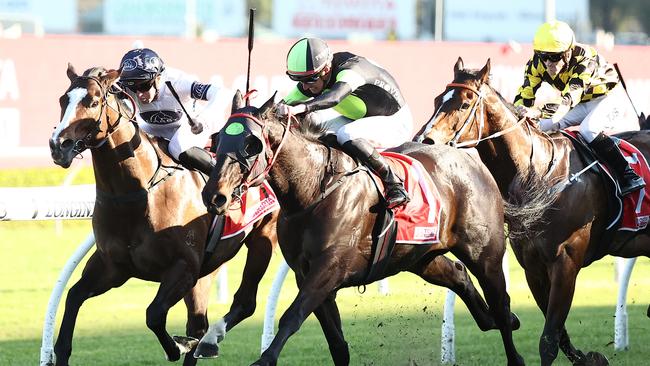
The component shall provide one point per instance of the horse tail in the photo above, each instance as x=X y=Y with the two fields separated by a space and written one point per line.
x=528 y=200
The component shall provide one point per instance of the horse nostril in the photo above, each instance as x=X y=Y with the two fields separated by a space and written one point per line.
x=67 y=144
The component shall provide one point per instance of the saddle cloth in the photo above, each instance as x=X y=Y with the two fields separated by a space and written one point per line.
x=634 y=212
x=255 y=203
x=636 y=205
x=419 y=221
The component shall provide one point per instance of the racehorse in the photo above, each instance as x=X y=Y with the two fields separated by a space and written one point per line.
x=149 y=220
x=557 y=225
x=329 y=206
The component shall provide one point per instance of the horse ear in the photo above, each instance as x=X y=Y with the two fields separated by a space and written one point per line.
x=459 y=66
x=268 y=104
x=484 y=74
x=72 y=75
x=237 y=101
x=110 y=76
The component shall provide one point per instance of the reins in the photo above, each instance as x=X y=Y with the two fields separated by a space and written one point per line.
x=154 y=181
x=481 y=100
x=472 y=117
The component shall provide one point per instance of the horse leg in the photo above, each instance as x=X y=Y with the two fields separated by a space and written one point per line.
x=442 y=271
x=260 y=250
x=324 y=276
x=330 y=321
x=488 y=269
x=174 y=285
x=96 y=279
x=197 y=309
x=563 y=273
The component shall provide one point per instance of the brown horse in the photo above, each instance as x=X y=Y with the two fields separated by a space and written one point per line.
x=329 y=208
x=149 y=220
x=557 y=225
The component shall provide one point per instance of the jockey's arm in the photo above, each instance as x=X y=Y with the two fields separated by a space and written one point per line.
x=532 y=81
x=212 y=113
x=330 y=98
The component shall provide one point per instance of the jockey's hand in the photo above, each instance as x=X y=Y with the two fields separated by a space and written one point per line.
x=548 y=125
x=532 y=113
x=197 y=127
x=285 y=109
x=282 y=110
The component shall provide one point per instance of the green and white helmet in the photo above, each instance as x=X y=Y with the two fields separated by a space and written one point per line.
x=307 y=57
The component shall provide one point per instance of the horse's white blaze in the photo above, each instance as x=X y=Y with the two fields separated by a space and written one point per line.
x=429 y=125
x=448 y=96
x=74 y=97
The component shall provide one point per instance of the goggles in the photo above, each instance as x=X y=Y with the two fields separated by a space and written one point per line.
x=552 y=57
x=140 y=87
x=306 y=79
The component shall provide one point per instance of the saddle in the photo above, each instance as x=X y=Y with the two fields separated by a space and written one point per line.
x=630 y=212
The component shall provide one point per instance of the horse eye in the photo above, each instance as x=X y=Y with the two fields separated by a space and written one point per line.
x=94 y=104
x=465 y=105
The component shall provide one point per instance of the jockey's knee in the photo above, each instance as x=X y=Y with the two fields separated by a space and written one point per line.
x=588 y=133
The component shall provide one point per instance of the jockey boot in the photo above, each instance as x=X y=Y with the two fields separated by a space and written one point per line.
x=395 y=194
x=198 y=159
x=607 y=149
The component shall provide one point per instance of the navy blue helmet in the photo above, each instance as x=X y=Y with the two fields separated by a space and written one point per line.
x=140 y=65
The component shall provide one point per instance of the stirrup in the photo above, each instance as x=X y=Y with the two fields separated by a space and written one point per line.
x=396 y=196
x=632 y=185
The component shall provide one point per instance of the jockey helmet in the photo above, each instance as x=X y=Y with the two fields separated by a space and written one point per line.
x=140 y=65
x=307 y=58
x=553 y=37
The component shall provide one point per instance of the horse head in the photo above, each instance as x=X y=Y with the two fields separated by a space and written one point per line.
x=460 y=116
x=244 y=153
x=86 y=116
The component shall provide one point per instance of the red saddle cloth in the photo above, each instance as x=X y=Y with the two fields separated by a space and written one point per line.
x=418 y=221
x=635 y=209
x=256 y=203
x=636 y=205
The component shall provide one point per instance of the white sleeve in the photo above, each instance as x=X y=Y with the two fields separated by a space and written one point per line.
x=213 y=114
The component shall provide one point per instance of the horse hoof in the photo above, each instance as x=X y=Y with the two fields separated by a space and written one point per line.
x=185 y=344
x=206 y=350
x=514 y=321
x=593 y=359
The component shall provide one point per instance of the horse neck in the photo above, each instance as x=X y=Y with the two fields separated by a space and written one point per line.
x=127 y=159
x=521 y=150
x=300 y=168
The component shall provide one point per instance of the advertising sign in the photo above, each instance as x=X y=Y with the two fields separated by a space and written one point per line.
x=343 y=19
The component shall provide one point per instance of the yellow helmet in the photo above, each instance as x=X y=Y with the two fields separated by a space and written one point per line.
x=554 y=36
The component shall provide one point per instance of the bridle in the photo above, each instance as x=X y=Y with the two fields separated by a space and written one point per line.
x=258 y=172
x=480 y=100
x=479 y=105
x=86 y=142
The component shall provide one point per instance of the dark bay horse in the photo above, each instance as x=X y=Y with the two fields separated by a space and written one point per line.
x=149 y=220
x=557 y=226
x=329 y=207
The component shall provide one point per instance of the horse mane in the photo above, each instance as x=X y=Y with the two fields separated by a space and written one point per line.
x=305 y=126
x=529 y=196
x=97 y=72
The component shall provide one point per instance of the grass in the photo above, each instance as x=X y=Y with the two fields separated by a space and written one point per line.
x=402 y=328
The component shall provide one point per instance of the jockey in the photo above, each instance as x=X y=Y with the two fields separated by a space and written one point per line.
x=592 y=95
x=159 y=113
x=354 y=98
